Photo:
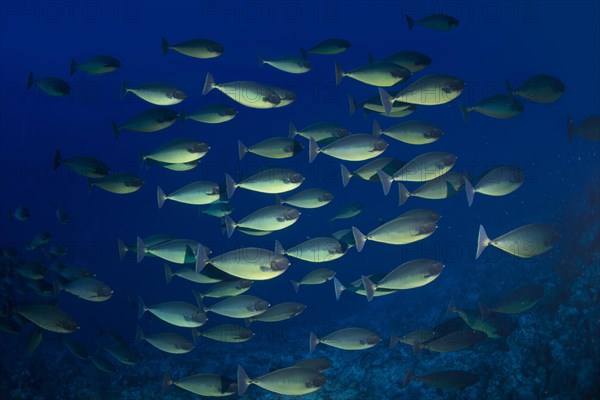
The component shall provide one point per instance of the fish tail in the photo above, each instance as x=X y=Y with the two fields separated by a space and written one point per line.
x=56 y=286
x=201 y=258
x=73 y=67
x=199 y=296
x=404 y=194
x=165 y=46
x=57 y=159
x=409 y=375
x=386 y=181
x=339 y=74
x=182 y=117
x=139 y=335
x=123 y=90
x=292 y=132
x=168 y=274
x=470 y=191
x=482 y=241
x=352 y=105
x=393 y=341
x=122 y=249
x=359 y=238
x=484 y=310
x=386 y=101
x=247 y=322
x=464 y=111
x=376 y=128
x=141 y=249
x=242 y=380
x=196 y=334
x=346 y=175
x=410 y=22
x=141 y=307
x=167 y=381
x=369 y=287
x=278 y=200
x=261 y=62
x=230 y=184
x=295 y=285
x=242 y=149
x=313 y=150
x=30 y=80
x=313 y=342
x=209 y=84
x=508 y=86
x=115 y=129
x=338 y=287
x=279 y=251
x=161 y=196
x=570 y=129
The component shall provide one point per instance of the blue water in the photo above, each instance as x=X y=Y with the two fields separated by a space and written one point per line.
x=542 y=358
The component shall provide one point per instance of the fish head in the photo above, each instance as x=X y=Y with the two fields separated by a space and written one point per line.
x=104 y=291
x=230 y=111
x=306 y=64
x=296 y=178
x=272 y=98
x=199 y=317
x=380 y=145
x=427 y=228
x=68 y=325
x=135 y=182
x=453 y=85
x=216 y=48
x=280 y=263
x=261 y=305
x=373 y=339
x=518 y=176
x=186 y=346
x=216 y=190
x=435 y=268
x=178 y=94
x=452 y=22
x=434 y=133
x=243 y=284
x=200 y=147
x=317 y=381
x=401 y=72
x=297 y=309
x=448 y=161
x=325 y=197
x=291 y=214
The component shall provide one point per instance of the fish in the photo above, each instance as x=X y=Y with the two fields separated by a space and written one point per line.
x=160 y=94
x=525 y=241
x=317 y=363
x=40 y=239
x=177 y=151
x=494 y=326
x=61 y=215
x=96 y=65
x=456 y=340
x=439 y=22
x=498 y=181
x=309 y=198
x=89 y=167
x=314 y=277
x=228 y=288
x=48 y=317
x=152 y=120
x=269 y=219
x=345 y=236
x=347 y=339
x=218 y=209
x=176 y=313
x=320 y=132
x=500 y=106
x=349 y=211
x=412 y=274
x=178 y=251
x=411 y=132
x=381 y=74
x=89 y=289
x=148 y=241
x=401 y=230
x=357 y=147
x=589 y=129
x=213 y=114
x=539 y=88
x=287 y=381
x=250 y=263
x=422 y=168
x=122 y=353
x=430 y=90
x=119 y=183
x=246 y=93
x=242 y=306
x=289 y=64
x=227 y=333
x=439 y=188
x=50 y=85
x=168 y=342
x=209 y=274
x=76 y=349
x=278 y=312
x=272 y=181
x=286 y=96
x=196 y=193
x=74 y=272
x=328 y=47
x=20 y=213
x=449 y=379
x=409 y=59
x=318 y=250
x=34 y=340
x=102 y=363
x=202 y=384
x=179 y=167
x=369 y=171
x=519 y=300
x=276 y=147
x=197 y=48
x=373 y=104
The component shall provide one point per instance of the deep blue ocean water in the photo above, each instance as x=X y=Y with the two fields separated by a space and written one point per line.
x=494 y=41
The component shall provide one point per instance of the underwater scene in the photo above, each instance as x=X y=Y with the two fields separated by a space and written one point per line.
x=358 y=200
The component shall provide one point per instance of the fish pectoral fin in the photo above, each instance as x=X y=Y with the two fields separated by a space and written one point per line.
x=264 y=268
